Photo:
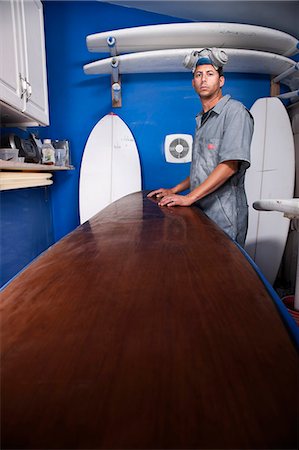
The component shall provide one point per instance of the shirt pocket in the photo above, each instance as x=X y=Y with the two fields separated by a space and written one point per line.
x=211 y=152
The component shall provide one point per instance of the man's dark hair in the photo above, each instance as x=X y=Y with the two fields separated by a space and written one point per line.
x=220 y=71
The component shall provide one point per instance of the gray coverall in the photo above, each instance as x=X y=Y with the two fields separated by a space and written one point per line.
x=224 y=135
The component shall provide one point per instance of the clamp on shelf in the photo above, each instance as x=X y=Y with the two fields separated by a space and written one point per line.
x=115 y=75
x=289 y=95
x=275 y=87
x=286 y=73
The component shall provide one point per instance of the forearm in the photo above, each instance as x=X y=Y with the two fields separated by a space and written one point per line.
x=216 y=179
x=162 y=192
x=185 y=184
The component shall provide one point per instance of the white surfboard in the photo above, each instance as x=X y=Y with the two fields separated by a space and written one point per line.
x=290 y=207
x=110 y=167
x=243 y=61
x=21 y=180
x=270 y=176
x=22 y=184
x=6 y=177
x=199 y=34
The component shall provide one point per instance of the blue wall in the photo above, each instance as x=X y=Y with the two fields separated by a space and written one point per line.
x=154 y=105
x=26 y=228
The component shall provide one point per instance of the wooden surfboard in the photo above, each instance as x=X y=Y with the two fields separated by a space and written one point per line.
x=146 y=328
x=199 y=34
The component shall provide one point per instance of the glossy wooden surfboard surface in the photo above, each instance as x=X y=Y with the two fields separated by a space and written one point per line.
x=145 y=328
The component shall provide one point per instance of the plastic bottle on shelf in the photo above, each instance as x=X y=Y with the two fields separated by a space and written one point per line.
x=48 y=152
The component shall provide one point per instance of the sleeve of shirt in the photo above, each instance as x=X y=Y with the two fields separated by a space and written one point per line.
x=237 y=136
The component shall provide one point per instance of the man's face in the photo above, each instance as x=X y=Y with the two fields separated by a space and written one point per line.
x=206 y=81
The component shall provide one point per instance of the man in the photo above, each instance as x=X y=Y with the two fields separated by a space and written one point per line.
x=221 y=153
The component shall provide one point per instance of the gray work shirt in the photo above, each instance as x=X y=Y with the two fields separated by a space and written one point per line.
x=224 y=135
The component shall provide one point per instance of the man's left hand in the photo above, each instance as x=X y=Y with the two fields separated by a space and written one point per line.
x=175 y=200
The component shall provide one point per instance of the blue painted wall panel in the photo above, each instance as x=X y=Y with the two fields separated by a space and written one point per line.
x=26 y=228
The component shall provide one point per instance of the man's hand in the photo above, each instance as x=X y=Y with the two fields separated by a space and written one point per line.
x=160 y=193
x=175 y=200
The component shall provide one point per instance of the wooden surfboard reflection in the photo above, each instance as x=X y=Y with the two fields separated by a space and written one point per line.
x=145 y=328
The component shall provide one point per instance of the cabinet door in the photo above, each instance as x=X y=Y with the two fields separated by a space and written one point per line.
x=10 y=55
x=35 y=60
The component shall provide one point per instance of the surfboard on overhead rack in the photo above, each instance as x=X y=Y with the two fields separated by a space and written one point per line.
x=243 y=61
x=270 y=176
x=110 y=167
x=205 y=34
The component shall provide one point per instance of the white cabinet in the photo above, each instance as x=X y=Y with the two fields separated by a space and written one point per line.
x=35 y=61
x=23 y=75
x=10 y=56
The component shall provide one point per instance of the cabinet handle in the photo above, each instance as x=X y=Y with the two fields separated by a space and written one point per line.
x=28 y=90
x=23 y=85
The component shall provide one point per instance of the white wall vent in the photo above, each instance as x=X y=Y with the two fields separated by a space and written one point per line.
x=178 y=148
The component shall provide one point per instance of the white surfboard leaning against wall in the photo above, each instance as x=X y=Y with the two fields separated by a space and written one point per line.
x=270 y=176
x=110 y=167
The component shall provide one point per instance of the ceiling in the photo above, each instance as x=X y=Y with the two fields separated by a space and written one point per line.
x=281 y=15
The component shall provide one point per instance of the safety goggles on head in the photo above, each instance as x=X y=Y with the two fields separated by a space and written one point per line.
x=214 y=56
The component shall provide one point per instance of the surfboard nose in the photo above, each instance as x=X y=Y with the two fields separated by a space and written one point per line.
x=110 y=167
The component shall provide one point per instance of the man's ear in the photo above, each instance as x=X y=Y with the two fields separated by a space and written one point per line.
x=222 y=80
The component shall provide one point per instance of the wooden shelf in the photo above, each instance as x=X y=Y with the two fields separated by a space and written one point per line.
x=10 y=165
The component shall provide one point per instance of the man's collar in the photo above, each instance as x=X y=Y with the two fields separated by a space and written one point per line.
x=220 y=105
